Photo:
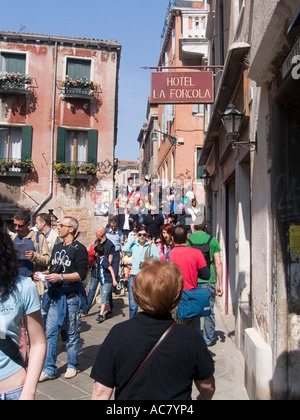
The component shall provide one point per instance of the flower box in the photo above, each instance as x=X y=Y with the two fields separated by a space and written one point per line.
x=15 y=166
x=78 y=88
x=14 y=83
x=73 y=171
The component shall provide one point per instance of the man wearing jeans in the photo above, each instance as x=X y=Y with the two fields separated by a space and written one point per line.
x=109 y=251
x=200 y=237
x=65 y=298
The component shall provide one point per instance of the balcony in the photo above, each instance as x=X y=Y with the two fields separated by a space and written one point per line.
x=72 y=171
x=15 y=84
x=193 y=42
x=15 y=167
x=78 y=89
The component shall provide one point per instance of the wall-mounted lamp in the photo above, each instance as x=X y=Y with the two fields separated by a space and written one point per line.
x=206 y=178
x=172 y=140
x=154 y=136
x=232 y=122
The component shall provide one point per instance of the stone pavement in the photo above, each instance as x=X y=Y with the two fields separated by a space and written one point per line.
x=229 y=368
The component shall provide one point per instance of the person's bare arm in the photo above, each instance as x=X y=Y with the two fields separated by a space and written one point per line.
x=101 y=392
x=219 y=273
x=206 y=389
x=38 y=347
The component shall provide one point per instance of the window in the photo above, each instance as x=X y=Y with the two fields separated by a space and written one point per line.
x=199 y=109
x=222 y=33
x=15 y=143
x=12 y=63
x=78 y=69
x=76 y=146
x=199 y=169
x=168 y=116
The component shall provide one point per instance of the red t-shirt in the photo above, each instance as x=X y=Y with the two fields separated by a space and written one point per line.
x=189 y=261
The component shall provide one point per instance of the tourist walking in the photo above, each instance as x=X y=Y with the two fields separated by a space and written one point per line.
x=109 y=251
x=19 y=299
x=180 y=359
x=215 y=283
x=190 y=262
x=65 y=298
x=140 y=249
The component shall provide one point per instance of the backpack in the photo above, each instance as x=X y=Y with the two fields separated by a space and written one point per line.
x=204 y=248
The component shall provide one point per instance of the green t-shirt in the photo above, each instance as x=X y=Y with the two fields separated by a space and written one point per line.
x=200 y=238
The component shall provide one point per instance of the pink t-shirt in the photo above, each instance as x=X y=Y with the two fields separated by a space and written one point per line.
x=189 y=261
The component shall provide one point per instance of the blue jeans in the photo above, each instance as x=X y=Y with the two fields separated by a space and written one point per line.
x=73 y=324
x=92 y=290
x=133 y=308
x=209 y=321
x=13 y=395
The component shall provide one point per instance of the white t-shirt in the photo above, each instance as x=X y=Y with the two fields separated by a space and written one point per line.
x=23 y=301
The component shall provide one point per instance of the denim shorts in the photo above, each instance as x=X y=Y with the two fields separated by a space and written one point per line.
x=106 y=290
x=13 y=395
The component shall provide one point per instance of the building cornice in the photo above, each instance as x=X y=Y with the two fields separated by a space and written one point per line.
x=52 y=39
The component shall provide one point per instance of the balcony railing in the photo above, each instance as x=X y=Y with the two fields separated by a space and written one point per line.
x=15 y=83
x=73 y=170
x=78 y=88
x=15 y=166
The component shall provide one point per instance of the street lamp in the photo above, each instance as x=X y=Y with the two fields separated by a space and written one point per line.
x=232 y=122
x=172 y=140
x=206 y=179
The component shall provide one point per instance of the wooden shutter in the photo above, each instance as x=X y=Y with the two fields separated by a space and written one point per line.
x=14 y=63
x=61 y=144
x=26 y=143
x=78 y=68
x=92 y=146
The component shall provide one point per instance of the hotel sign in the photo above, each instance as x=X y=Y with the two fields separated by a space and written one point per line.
x=182 y=88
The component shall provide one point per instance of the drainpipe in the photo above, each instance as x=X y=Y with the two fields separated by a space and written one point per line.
x=52 y=139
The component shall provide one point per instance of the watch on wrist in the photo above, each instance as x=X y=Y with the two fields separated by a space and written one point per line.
x=61 y=277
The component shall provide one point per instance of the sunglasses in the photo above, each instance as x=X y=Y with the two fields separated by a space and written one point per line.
x=19 y=226
x=140 y=235
x=157 y=242
x=61 y=225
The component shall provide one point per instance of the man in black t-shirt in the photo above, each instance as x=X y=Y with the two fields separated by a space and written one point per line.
x=154 y=221
x=65 y=298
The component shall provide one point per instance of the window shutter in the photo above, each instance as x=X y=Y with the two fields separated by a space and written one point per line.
x=92 y=146
x=26 y=143
x=61 y=144
x=14 y=63
x=78 y=68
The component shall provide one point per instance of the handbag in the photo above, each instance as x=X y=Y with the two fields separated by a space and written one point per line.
x=147 y=358
x=194 y=303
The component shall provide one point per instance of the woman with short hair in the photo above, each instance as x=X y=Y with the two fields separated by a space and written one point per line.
x=180 y=359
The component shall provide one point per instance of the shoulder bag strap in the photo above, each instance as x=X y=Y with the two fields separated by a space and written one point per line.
x=12 y=350
x=148 y=357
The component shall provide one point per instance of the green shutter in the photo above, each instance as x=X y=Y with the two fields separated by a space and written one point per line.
x=92 y=146
x=61 y=144
x=78 y=68
x=14 y=63
x=26 y=143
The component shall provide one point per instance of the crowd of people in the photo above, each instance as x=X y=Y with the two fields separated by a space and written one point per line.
x=149 y=203
x=43 y=271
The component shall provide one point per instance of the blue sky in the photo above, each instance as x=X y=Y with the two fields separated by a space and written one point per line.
x=137 y=24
